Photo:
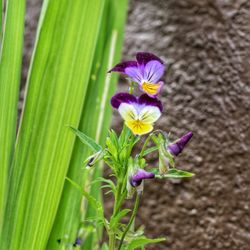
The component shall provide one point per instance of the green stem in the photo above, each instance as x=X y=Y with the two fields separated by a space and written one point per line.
x=137 y=201
x=145 y=145
x=112 y=241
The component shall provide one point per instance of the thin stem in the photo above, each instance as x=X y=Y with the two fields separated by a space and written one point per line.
x=137 y=201
x=115 y=210
x=145 y=145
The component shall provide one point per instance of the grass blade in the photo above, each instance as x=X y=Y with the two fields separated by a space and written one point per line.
x=95 y=122
x=10 y=72
x=57 y=85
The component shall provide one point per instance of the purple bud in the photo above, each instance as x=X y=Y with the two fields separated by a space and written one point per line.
x=136 y=179
x=177 y=147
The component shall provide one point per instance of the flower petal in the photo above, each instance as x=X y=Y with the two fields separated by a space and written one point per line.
x=144 y=57
x=153 y=71
x=135 y=73
x=145 y=99
x=120 y=67
x=141 y=174
x=149 y=114
x=119 y=98
x=138 y=127
x=151 y=89
x=128 y=112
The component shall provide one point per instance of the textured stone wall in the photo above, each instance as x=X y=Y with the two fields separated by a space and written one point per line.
x=206 y=45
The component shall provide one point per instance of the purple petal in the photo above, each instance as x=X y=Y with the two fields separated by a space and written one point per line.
x=144 y=57
x=120 y=67
x=153 y=71
x=119 y=98
x=135 y=73
x=145 y=99
x=177 y=147
x=141 y=174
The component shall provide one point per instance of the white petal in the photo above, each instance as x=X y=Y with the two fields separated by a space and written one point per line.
x=128 y=112
x=149 y=114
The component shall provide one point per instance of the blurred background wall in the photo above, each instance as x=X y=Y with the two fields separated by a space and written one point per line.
x=206 y=46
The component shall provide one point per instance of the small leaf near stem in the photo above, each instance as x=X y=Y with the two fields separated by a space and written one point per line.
x=137 y=201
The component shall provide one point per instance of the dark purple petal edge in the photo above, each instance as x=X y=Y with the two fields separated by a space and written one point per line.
x=121 y=97
x=120 y=67
x=145 y=99
x=144 y=57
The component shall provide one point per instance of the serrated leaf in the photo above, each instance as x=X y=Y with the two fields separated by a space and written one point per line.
x=86 y=140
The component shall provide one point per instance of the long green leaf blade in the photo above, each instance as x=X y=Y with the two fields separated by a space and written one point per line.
x=56 y=88
x=95 y=122
x=10 y=71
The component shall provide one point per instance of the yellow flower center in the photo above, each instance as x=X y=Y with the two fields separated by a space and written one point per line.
x=151 y=88
x=138 y=127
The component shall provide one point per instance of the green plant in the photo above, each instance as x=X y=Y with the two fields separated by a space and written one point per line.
x=75 y=44
x=127 y=166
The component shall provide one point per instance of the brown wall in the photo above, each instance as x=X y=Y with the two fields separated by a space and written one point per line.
x=206 y=45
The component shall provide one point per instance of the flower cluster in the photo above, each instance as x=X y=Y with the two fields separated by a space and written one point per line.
x=141 y=112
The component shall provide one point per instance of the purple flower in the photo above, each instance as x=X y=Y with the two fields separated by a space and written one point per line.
x=139 y=176
x=139 y=113
x=146 y=71
x=177 y=147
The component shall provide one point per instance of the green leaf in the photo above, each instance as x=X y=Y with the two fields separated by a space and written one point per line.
x=142 y=241
x=105 y=247
x=56 y=89
x=95 y=121
x=96 y=205
x=110 y=183
x=150 y=150
x=116 y=219
x=87 y=140
x=175 y=173
x=10 y=71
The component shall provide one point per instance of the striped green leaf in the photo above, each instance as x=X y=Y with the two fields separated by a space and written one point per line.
x=10 y=70
x=57 y=85
x=94 y=122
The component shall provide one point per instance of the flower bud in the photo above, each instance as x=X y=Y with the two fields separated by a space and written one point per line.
x=93 y=159
x=177 y=147
x=139 y=176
